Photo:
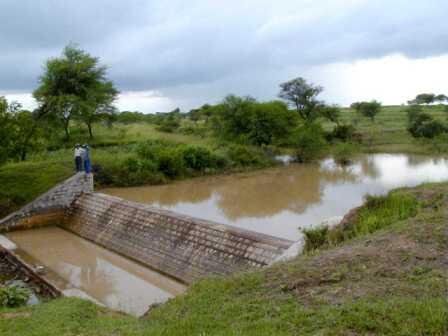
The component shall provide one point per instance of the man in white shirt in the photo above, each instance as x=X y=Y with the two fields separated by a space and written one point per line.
x=78 y=158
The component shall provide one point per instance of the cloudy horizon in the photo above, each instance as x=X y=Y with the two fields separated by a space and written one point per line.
x=166 y=55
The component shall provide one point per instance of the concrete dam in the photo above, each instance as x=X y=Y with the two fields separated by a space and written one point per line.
x=181 y=247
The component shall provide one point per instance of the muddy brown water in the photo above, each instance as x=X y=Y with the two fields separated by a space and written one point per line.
x=279 y=201
x=83 y=269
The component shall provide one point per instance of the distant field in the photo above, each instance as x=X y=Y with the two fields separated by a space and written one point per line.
x=389 y=131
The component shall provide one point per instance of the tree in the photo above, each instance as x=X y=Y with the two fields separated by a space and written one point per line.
x=5 y=130
x=331 y=113
x=98 y=104
x=441 y=98
x=233 y=117
x=270 y=122
x=74 y=85
x=303 y=97
x=424 y=98
x=368 y=109
x=245 y=120
x=18 y=131
x=421 y=124
x=27 y=133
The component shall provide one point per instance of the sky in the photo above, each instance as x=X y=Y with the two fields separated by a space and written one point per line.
x=167 y=54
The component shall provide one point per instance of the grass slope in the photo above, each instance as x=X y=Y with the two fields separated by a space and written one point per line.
x=393 y=281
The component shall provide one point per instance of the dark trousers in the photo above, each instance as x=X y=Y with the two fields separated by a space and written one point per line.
x=78 y=163
x=87 y=166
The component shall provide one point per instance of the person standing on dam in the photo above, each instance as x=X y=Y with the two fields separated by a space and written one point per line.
x=86 y=158
x=78 y=158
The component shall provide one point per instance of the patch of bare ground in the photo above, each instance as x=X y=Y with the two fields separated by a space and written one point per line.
x=14 y=315
x=409 y=260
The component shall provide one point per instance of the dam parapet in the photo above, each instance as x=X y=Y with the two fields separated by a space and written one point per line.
x=49 y=208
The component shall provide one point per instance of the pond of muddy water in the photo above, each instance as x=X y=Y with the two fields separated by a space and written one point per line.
x=83 y=269
x=279 y=201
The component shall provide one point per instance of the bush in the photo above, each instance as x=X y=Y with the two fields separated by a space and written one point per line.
x=315 y=238
x=241 y=155
x=200 y=158
x=13 y=296
x=343 y=152
x=310 y=143
x=129 y=172
x=171 y=163
x=440 y=143
x=168 y=125
x=423 y=125
x=344 y=133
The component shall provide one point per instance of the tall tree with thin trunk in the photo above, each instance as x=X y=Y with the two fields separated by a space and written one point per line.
x=303 y=97
x=75 y=86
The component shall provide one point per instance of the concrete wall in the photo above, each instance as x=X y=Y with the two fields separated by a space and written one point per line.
x=180 y=246
x=49 y=209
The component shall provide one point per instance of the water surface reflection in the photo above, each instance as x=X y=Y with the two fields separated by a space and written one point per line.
x=280 y=200
x=73 y=263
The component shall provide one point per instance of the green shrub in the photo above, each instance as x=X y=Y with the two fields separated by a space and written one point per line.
x=241 y=155
x=13 y=296
x=200 y=158
x=171 y=162
x=151 y=149
x=131 y=171
x=344 y=133
x=344 y=152
x=168 y=125
x=310 y=143
x=315 y=237
x=423 y=125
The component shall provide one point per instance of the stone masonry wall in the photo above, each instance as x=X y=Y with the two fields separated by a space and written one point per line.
x=49 y=209
x=180 y=246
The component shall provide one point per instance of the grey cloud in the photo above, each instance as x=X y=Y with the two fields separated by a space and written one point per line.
x=227 y=45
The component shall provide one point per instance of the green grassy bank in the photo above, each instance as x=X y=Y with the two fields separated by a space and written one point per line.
x=388 y=277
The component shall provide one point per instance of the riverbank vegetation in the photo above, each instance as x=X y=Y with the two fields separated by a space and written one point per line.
x=389 y=280
x=75 y=105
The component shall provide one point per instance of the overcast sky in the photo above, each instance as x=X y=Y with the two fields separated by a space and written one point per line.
x=167 y=54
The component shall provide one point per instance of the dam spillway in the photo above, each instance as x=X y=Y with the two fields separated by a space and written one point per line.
x=179 y=246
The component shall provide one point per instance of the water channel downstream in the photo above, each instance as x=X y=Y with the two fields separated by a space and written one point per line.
x=279 y=201
x=275 y=201
x=83 y=269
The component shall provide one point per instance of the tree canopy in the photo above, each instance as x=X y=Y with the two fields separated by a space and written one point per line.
x=245 y=120
x=428 y=98
x=367 y=109
x=75 y=86
x=303 y=97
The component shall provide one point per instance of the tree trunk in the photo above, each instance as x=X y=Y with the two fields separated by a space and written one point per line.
x=23 y=154
x=89 y=126
x=67 y=133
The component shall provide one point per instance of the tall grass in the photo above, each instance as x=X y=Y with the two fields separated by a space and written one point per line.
x=377 y=213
